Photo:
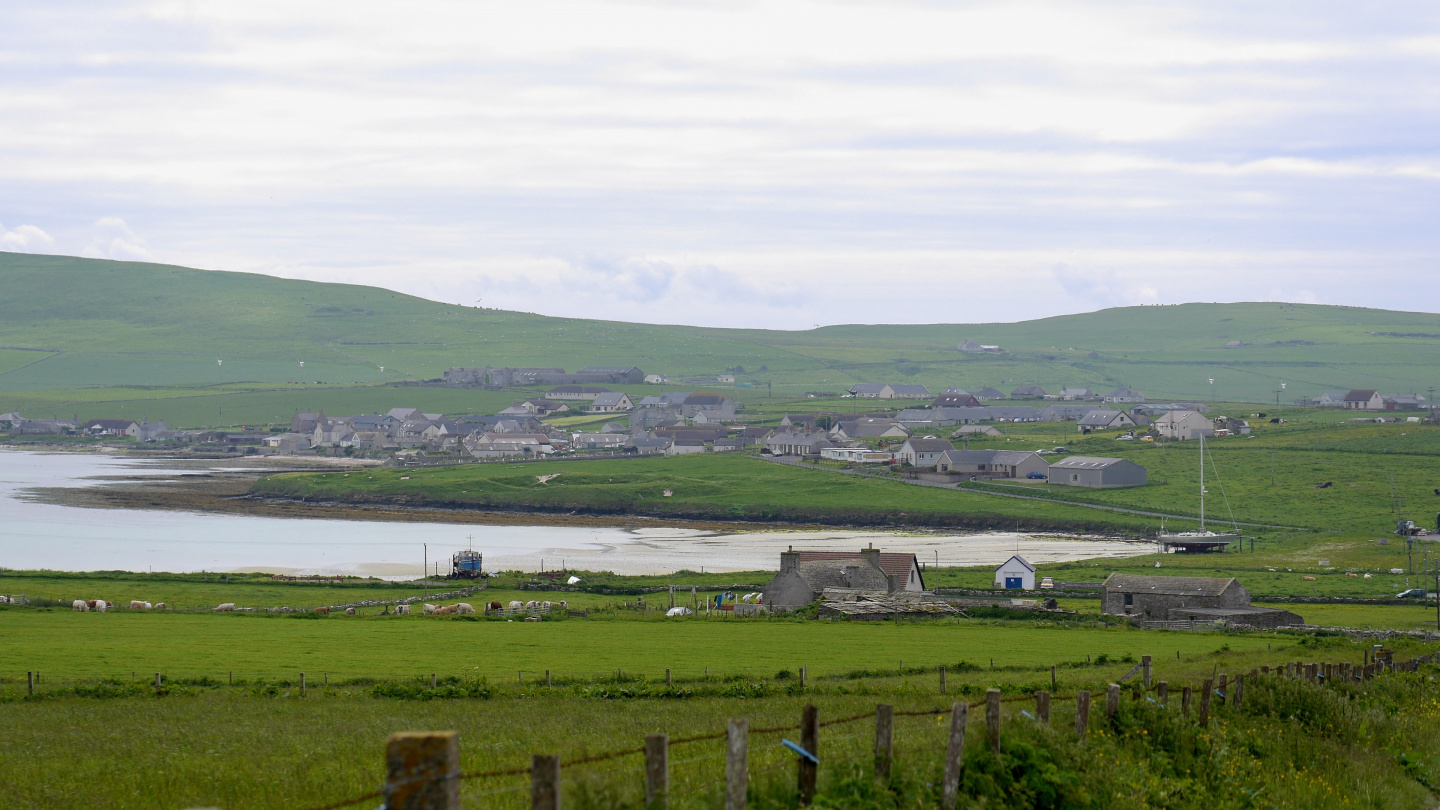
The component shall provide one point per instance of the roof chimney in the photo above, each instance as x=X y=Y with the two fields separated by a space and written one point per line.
x=789 y=560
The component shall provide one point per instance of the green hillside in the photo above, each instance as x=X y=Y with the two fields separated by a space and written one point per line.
x=90 y=337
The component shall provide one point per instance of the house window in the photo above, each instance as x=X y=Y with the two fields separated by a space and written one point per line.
x=1129 y=600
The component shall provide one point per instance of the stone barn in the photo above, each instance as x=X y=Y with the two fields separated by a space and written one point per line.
x=804 y=575
x=1172 y=599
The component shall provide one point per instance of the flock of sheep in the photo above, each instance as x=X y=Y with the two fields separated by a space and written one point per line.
x=100 y=605
x=459 y=608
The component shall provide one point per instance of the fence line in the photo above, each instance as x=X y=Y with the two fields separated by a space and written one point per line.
x=424 y=774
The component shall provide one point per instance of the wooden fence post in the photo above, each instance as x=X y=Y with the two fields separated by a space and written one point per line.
x=942 y=680
x=1052 y=678
x=668 y=682
x=432 y=680
x=884 y=740
x=547 y=679
x=30 y=676
x=810 y=741
x=1082 y=713
x=954 y=756
x=1042 y=707
x=1220 y=687
x=1239 y=689
x=157 y=680
x=1206 y=690
x=302 y=684
x=992 y=718
x=1112 y=701
x=736 y=776
x=544 y=783
x=657 y=772
x=1186 y=694
x=421 y=770
x=1145 y=669
x=1162 y=693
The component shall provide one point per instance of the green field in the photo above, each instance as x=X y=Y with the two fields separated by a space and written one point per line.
x=87 y=644
x=179 y=344
x=260 y=742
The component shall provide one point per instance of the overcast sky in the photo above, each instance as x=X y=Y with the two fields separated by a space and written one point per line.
x=774 y=163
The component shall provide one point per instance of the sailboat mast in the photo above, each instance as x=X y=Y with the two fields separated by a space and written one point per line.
x=1202 y=482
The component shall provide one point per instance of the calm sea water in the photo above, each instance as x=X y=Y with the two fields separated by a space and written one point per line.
x=66 y=538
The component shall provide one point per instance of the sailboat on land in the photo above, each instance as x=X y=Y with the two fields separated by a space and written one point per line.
x=1202 y=541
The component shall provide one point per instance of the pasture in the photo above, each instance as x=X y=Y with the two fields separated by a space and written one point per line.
x=67 y=644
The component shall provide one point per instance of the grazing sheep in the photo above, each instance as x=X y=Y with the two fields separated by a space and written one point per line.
x=463 y=608
x=228 y=607
x=80 y=605
x=349 y=611
x=445 y=611
x=402 y=610
x=530 y=604
x=516 y=605
x=323 y=611
x=429 y=609
x=564 y=605
x=136 y=604
x=545 y=604
x=160 y=606
x=496 y=606
x=100 y=605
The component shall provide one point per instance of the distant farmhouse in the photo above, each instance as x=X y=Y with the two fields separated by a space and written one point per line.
x=1184 y=425
x=1188 y=599
x=1364 y=399
x=883 y=391
x=972 y=346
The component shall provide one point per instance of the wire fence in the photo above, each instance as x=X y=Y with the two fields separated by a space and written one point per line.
x=725 y=767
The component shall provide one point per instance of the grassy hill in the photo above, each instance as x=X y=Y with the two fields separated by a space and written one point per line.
x=125 y=338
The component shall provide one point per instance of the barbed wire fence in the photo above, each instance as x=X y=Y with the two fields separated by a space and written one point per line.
x=423 y=771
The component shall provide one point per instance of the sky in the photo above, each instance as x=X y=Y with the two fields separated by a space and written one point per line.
x=773 y=164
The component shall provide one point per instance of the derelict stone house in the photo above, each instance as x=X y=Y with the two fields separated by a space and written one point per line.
x=1187 y=599
x=804 y=575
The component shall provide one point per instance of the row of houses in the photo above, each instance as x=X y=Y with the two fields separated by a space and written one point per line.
x=1368 y=399
x=143 y=430
x=488 y=377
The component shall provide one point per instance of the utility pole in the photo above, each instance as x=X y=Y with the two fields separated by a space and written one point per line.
x=425 y=569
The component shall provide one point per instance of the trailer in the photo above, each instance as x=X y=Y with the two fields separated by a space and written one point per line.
x=467 y=565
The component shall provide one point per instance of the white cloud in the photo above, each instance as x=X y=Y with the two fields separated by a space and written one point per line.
x=115 y=240
x=788 y=162
x=25 y=239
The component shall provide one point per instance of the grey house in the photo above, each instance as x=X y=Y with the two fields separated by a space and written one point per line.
x=1104 y=420
x=1099 y=473
x=804 y=575
x=1187 y=599
x=1028 y=392
x=993 y=463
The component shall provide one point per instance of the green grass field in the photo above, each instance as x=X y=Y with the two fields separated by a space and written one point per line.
x=87 y=644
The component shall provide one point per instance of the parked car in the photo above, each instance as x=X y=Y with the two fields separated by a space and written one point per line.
x=1039 y=476
x=1047 y=583
x=1413 y=593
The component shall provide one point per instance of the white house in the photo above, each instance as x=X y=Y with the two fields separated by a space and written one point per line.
x=1364 y=399
x=611 y=402
x=1015 y=573
x=1184 y=425
x=656 y=379
x=923 y=452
